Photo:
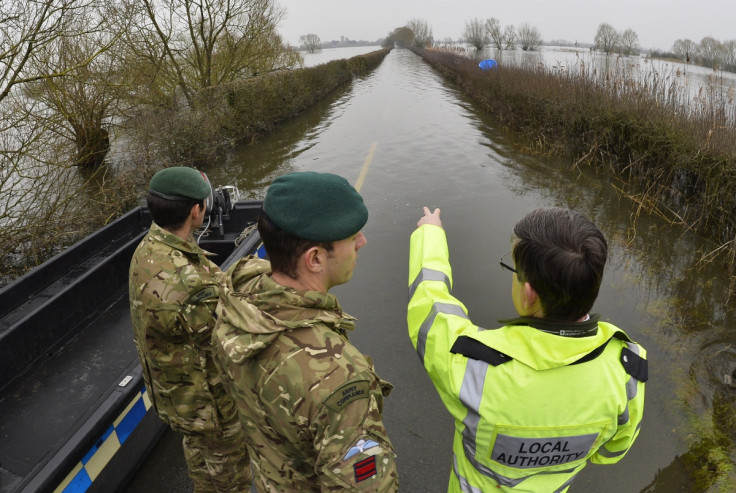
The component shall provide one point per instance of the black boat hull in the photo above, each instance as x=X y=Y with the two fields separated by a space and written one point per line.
x=74 y=413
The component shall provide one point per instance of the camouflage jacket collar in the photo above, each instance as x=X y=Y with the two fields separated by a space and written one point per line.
x=189 y=246
x=255 y=303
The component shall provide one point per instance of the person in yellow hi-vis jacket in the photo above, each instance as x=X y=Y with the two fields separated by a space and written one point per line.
x=539 y=397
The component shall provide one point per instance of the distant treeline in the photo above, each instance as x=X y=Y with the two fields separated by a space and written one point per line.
x=710 y=52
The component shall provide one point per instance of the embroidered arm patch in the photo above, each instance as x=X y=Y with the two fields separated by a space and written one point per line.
x=365 y=469
x=210 y=292
x=348 y=393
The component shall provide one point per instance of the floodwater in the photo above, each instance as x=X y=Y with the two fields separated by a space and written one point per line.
x=408 y=139
x=327 y=55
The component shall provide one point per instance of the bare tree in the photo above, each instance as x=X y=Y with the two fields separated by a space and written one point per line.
x=475 y=34
x=529 y=37
x=40 y=191
x=422 y=32
x=310 y=42
x=606 y=38
x=711 y=52
x=730 y=55
x=495 y=33
x=685 y=49
x=500 y=38
x=26 y=28
x=86 y=98
x=187 y=45
x=629 y=42
x=509 y=37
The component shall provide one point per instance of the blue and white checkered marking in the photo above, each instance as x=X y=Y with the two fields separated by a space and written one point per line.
x=261 y=251
x=95 y=460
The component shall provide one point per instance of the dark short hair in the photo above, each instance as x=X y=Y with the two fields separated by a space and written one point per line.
x=170 y=214
x=561 y=254
x=284 y=249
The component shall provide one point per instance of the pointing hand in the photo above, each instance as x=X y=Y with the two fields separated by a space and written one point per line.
x=430 y=218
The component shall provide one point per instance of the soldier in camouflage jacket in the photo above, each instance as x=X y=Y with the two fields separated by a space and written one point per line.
x=173 y=293
x=310 y=402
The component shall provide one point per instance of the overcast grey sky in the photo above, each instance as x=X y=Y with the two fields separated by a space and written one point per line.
x=657 y=22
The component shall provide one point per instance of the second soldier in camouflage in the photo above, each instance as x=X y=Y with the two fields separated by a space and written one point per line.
x=310 y=402
x=173 y=294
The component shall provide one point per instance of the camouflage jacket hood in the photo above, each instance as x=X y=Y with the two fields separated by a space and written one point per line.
x=260 y=308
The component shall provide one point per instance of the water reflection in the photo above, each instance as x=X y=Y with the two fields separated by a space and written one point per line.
x=672 y=479
x=329 y=54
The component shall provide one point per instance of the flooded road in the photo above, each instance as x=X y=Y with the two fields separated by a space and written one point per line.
x=407 y=139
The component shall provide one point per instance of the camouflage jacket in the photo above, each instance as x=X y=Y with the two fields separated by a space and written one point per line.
x=310 y=403
x=173 y=293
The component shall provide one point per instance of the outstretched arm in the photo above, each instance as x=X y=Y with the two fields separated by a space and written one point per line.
x=435 y=318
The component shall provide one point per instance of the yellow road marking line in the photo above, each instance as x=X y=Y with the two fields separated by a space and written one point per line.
x=366 y=165
x=388 y=108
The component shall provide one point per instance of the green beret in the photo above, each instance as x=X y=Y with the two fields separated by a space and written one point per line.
x=179 y=181
x=315 y=206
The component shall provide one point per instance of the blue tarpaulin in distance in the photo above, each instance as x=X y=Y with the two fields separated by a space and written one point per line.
x=488 y=64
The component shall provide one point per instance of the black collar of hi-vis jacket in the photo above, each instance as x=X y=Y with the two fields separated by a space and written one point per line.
x=586 y=328
x=633 y=364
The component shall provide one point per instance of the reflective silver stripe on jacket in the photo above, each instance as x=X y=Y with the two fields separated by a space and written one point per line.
x=465 y=486
x=631 y=385
x=437 y=308
x=632 y=389
x=428 y=275
x=471 y=394
x=447 y=308
x=604 y=452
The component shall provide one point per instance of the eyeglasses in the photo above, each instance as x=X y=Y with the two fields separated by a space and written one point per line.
x=504 y=265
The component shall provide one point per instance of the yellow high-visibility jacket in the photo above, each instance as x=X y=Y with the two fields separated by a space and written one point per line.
x=533 y=400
